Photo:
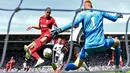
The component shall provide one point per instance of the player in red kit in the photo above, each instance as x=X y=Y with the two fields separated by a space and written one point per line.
x=11 y=63
x=45 y=25
x=113 y=58
x=7 y=67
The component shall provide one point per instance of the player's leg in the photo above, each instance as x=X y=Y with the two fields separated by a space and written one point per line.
x=24 y=68
x=113 y=57
x=37 y=46
x=38 y=43
x=7 y=68
x=111 y=42
x=43 y=39
x=10 y=67
x=121 y=62
x=31 y=45
x=79 y=61
x=76 y=53
x=34 y=46
x=28 y=67
x=117 y=51
x=60 y=59
x=26 y=49
x=40 y=61
x=33 y=51
x=84 y=64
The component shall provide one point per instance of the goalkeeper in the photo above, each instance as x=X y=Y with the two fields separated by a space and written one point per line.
x=94 y=35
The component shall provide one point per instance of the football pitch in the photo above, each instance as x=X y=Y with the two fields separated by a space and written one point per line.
x=128 y=71
x=97 y=72
x=100 y=72
x=116 y=72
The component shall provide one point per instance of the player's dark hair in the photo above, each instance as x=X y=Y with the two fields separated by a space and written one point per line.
x=48 y=8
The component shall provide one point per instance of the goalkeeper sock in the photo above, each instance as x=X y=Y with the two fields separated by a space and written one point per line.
x=117 y=55
x=71 y=66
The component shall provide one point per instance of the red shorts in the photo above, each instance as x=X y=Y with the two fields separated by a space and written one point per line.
x=45 y=34
x=11 y=65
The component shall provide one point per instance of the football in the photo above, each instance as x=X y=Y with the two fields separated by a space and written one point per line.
x=47 y=53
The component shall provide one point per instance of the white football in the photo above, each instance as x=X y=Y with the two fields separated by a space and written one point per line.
x=47 y=53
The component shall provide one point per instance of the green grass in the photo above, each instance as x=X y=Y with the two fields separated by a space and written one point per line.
x=117 y=72
x=128 y=71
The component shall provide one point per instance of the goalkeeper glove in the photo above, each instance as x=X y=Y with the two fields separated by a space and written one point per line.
x=55 y=32
x=120 y=15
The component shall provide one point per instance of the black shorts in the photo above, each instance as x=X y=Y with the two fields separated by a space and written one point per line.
x=28 y=62
x=76 y=49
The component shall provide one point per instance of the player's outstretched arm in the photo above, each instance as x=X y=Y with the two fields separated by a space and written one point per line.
x=119 y=15
x=78 y=19
x=112 y=17
x=55 y=32
x=35 y=27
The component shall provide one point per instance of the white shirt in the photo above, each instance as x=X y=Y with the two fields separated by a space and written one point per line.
x=76 y=33
x=57 y=47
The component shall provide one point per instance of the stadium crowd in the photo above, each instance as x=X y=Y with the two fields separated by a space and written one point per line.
x=95 y=62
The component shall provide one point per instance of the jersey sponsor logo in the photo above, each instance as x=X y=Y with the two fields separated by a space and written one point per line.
x=43 y=25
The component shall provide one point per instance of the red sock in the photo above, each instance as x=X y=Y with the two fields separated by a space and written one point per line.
x=35 y=55
x=34 y=50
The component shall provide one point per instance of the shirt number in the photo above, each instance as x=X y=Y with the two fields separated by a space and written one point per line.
x=93 y=23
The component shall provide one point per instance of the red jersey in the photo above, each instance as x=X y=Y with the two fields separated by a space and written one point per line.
x=46 y=23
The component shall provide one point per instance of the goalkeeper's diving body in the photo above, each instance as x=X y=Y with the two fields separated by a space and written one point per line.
x=94 y=35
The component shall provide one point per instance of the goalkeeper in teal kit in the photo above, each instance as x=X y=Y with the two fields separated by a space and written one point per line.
x=92 y=24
